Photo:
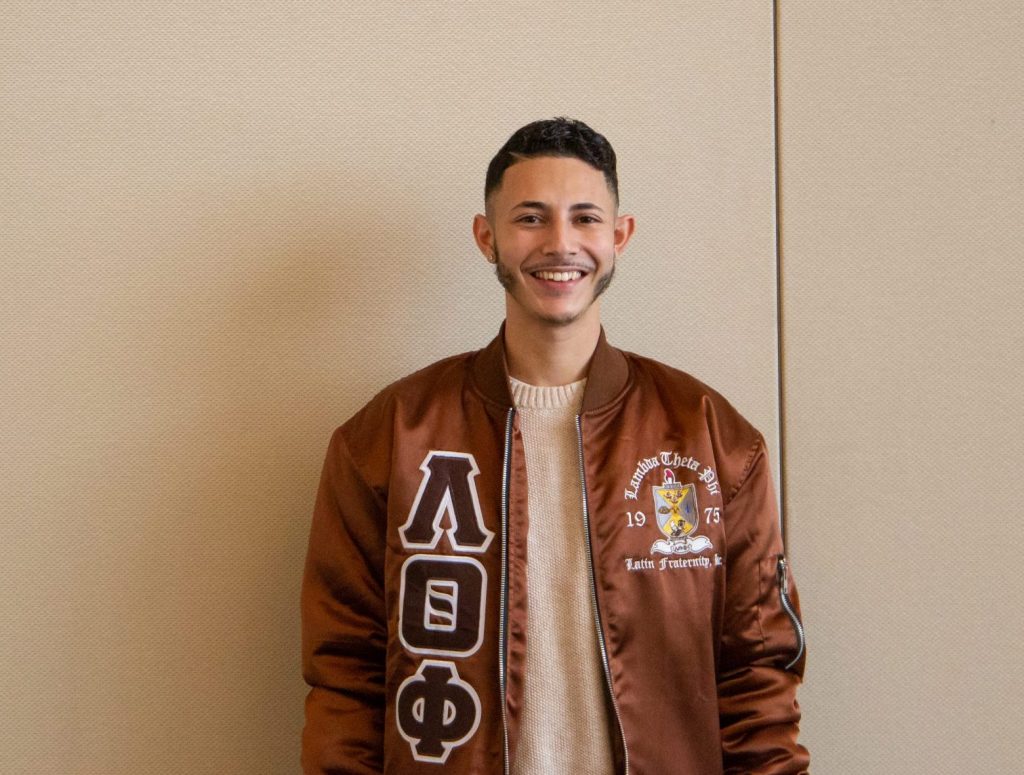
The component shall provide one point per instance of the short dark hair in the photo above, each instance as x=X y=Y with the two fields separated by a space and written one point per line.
x=555 y=137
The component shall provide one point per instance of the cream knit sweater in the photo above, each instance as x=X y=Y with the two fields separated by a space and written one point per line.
x=564 y=727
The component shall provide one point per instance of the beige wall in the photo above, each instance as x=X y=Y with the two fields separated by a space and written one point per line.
x=902 y=129
x=223 y=226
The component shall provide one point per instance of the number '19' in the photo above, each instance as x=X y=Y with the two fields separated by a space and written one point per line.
x=635 y=519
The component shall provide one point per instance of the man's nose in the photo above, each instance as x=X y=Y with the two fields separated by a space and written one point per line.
x=561 y=240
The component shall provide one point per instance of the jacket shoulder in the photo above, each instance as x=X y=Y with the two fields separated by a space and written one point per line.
x=370 y=427
x=736 y=442
x=684 y=387
x=430 y=382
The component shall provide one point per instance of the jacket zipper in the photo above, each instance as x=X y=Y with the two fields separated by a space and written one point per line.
x=503 y=604
x=593 y=597
x=788 y=607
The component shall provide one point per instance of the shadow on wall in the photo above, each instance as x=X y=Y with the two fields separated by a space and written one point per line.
x=266 y=327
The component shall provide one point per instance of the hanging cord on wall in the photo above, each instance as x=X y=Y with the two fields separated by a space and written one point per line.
x=780 y=350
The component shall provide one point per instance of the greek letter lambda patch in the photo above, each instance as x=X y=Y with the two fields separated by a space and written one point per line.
x=447 y=487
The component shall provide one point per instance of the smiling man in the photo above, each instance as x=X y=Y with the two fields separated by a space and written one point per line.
x=553 y=233
x=549 y=555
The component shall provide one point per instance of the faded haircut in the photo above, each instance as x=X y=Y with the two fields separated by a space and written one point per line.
x=560 y=136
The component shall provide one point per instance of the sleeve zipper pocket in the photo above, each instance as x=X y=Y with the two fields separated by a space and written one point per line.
x=787 y=606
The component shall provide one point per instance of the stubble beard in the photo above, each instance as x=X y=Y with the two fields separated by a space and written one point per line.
x=508 y=281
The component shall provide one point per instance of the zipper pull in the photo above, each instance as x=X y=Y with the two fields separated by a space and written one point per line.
x=783 y=580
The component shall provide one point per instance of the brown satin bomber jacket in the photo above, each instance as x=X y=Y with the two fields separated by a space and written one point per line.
x=414 y=591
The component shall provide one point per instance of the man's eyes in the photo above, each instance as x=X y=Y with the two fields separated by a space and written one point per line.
x=534 y=219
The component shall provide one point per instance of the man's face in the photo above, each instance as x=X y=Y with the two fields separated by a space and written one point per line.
x=553 y=233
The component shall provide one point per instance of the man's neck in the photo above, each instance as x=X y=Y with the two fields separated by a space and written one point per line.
x=545 y=355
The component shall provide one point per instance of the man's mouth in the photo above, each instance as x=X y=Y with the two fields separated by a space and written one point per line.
x=558 y=276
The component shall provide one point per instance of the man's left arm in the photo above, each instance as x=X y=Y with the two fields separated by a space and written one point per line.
x=761 y=660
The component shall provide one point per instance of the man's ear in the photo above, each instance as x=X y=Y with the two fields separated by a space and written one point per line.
x=484 y=236
x=624 y=228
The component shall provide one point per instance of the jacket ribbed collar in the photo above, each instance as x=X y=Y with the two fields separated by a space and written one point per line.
x=607 y=373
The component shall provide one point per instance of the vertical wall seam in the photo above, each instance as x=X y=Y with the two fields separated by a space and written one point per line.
x=779 y=348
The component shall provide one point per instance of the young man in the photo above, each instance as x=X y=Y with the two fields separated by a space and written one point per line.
x=549 y=556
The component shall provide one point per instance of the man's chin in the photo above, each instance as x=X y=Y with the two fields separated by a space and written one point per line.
x=561 y=321
x=552 y=318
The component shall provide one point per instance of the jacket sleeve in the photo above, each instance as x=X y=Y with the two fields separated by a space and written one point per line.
x=344 y=630
x=761 y=658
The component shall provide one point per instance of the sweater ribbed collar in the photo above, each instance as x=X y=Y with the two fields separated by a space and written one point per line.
x=528 y=396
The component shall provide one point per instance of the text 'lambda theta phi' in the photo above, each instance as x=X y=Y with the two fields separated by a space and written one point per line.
x=448 y=487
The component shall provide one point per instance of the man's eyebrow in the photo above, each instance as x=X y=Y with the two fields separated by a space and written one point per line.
x=531 y=204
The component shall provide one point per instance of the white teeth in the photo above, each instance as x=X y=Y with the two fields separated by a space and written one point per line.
x=559 y=277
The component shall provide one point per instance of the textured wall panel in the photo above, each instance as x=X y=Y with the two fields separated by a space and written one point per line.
x=902 y=128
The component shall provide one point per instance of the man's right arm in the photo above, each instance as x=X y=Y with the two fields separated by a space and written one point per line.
x=344 y=627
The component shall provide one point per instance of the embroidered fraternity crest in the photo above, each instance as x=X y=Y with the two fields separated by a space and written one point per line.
x=675 y=505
